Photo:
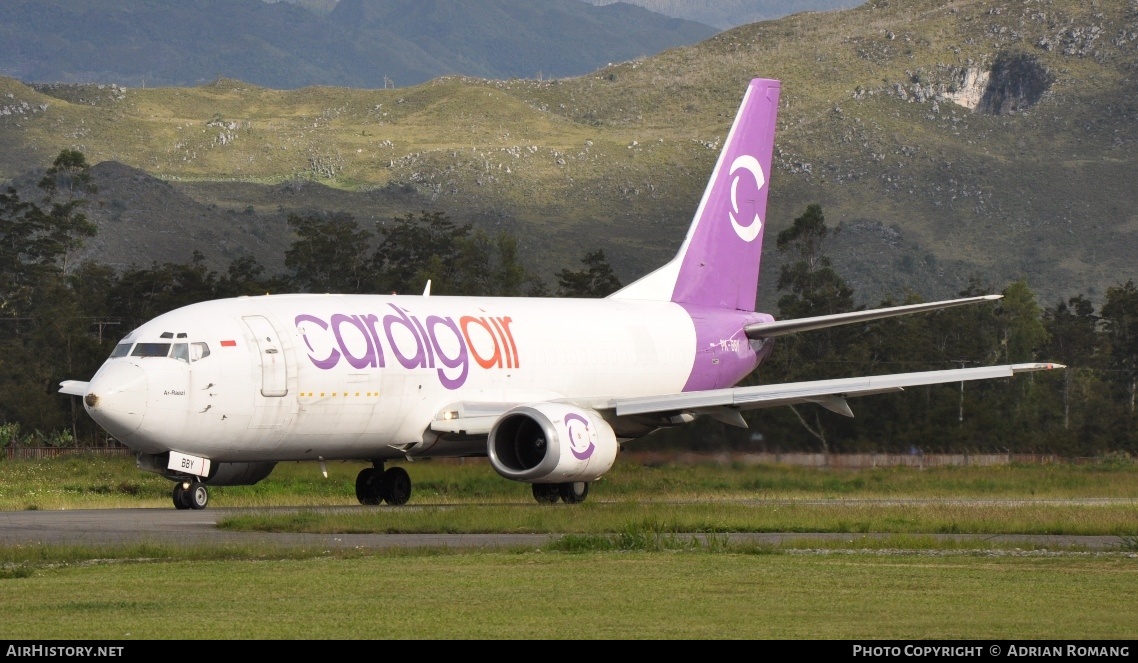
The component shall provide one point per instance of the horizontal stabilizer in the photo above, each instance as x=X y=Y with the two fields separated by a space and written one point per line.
x=781 y=327
x=73 y=387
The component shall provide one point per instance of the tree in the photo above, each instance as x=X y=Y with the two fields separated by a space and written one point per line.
x=510 y=273
x=45 y=332
x=66 y=185
x=1120 y=329
x=470 y=269
x=1071 y=328
x=813 y=288
x=33 y=244
x=68 y=175
x=245 y=276
x=413 y=249
x=971 y=334
x=329 y=254
x=1022 y=330
x=1028 y=403
x=595 y=280
x=141 y=293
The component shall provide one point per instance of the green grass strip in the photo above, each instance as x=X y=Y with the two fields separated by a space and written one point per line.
x=670 y=593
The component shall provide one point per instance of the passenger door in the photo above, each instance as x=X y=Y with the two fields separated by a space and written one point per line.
x=274 y=368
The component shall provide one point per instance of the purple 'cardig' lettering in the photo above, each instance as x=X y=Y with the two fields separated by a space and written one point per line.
x=419 y=360
x=372 y=320
x=424 y=335
x=461 y=359
x=368 y=358
x=440 y=342
x=333 y=357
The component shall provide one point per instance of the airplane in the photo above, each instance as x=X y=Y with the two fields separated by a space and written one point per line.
x=217 y=393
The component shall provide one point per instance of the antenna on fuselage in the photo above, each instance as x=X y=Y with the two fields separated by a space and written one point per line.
x=427 y=290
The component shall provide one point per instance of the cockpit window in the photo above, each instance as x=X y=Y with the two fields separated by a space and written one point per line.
x=198 y=351
x=181 y=352
x=151 y=350
x=121 y=350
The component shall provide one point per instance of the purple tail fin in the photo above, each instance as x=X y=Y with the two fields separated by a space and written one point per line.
x=718 y=263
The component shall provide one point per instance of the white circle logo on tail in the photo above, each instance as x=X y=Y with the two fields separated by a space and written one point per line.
x=748 y=232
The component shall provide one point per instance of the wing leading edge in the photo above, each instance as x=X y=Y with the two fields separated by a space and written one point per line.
x=830 y=394
x=725 y=404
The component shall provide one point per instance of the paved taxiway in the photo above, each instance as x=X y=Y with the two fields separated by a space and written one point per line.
x=195 y=528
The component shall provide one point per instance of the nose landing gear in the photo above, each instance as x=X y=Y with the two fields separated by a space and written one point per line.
x=190 y=495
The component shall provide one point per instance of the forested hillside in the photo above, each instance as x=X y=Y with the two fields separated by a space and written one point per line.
x=963 y=147
x=62 y=320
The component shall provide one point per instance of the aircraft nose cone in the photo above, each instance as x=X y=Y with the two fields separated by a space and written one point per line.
x=116 y=398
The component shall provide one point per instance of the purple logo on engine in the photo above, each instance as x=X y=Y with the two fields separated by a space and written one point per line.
x=580 y=437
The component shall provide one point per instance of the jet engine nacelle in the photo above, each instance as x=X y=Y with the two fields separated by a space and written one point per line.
x=551 y=443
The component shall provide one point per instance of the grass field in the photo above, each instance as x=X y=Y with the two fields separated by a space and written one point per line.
x=629 y=567
x=559 y=595
x=110 y=482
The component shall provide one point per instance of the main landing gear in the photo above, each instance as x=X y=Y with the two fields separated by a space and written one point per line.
x=573 y=492
x=190 y=495
x=374 y=485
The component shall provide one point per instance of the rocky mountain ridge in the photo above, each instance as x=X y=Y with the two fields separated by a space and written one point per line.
x=985 y=140
x=358 y=43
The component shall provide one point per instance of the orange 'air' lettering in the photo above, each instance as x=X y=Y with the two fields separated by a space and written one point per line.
x=484 y=362
x=509 y=338
x=505 y=342
x=508 y=345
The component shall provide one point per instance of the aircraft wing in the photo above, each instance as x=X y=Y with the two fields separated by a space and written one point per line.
x=725 y=404
x=830 y=394
x=73 y=387
x=781 y=327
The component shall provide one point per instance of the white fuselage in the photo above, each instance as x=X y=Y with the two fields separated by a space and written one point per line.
x=301 y=377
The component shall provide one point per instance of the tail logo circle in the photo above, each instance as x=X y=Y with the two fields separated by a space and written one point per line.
x=748 y=232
